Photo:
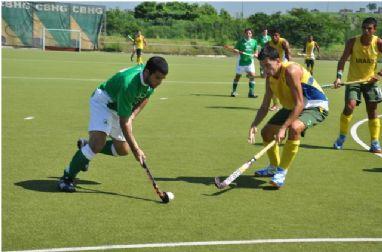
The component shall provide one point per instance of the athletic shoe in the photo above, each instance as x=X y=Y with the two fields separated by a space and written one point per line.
x=252 y=95
x=375 y=147
x=268 y=171
x=234 y=94
x=66 y=185
x=338 y=144
x=81 y=143
x=278 y=179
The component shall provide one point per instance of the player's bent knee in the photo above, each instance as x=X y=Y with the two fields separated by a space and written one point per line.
x=296 y=128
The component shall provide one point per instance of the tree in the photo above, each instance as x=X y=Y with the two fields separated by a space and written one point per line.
x=371 y=6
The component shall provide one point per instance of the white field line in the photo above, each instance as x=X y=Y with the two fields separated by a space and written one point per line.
x=207 y=243
x=353 y=132
x=98 y=80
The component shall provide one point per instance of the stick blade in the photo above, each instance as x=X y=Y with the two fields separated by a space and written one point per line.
x=219 y=184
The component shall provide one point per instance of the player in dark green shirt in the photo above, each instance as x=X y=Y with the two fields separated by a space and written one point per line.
x=262 y=40
x=113 y=107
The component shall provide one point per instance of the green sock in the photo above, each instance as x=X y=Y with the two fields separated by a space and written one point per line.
x=107 y=148
x=234 y=86
x=79 y=162
x=251 y=87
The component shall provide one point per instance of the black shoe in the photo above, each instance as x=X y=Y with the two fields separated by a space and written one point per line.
x=66 y=185
x=252 y=96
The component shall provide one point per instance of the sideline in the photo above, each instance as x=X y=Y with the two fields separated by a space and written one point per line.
x=206 y=243
x=98 y=80
x=353 y=132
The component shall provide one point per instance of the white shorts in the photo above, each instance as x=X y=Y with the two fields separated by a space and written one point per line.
x=102 y=118
x=245 y=69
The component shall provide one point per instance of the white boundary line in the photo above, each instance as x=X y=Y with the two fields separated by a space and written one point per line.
x=206 y=243
x=353 y=132
x=81 y=79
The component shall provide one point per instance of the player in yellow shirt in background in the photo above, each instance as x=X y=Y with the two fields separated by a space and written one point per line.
x=139 y=43
x=282 y=47
x=310 y=45
x=363 y=51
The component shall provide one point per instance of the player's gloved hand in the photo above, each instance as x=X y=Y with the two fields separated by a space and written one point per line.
x=337 y=83
x=251 y=135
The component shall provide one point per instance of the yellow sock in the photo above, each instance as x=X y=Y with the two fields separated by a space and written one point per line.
x=374 y=128
x=289 y=153
x=273 y=154
x=139 y=60
x=344 y=124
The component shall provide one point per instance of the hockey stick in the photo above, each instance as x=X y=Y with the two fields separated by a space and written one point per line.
x=243 y=168
x=165 y=196
x=232 y=50
x=344 y=83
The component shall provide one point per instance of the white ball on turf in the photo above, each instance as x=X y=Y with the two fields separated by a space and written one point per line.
x=170 y=195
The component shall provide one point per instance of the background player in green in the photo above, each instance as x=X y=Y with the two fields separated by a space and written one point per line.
x=262 y=40
x=113 y=107
x=247 y=50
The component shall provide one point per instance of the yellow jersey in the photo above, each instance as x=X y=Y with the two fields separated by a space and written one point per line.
x=139 y=41
x=309 y=49
x=313 y=94
x=279 y=47
x=363 y=60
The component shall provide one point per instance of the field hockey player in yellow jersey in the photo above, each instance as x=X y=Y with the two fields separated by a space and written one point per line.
x=282 y=47
x=310 y=45
x=304 y=106
x=139 y=43
x=363 y=51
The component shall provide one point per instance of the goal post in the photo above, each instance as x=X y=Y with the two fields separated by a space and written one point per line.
x=61 y=39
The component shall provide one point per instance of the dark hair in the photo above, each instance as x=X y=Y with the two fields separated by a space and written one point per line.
x=268 y=52
x=369 y=20
x=248 y=29
x=157 y=63
x=274 y=30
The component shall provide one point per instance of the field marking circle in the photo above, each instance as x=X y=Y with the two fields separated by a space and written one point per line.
x=353 y=132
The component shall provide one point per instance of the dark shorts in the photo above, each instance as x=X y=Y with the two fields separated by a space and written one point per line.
x=310 y=117
x=370 y=92
x=309 y=62
x=138 y=52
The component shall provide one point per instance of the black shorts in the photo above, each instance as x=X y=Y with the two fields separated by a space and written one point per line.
x=138 y=52
x=309 y=62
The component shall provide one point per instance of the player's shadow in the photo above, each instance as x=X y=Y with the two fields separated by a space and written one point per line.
x=212 y=95
x=50 y=186
x=325 y=147
x=232 y=107
x=244 y=181
x=373 y=170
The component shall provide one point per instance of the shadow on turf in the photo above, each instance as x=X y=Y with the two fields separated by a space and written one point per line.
x=308 y=146
x=51 y=186
x=231 y=107
x=373 y=170
x=244 y=181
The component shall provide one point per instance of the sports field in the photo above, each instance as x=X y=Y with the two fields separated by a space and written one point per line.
x=191 y=131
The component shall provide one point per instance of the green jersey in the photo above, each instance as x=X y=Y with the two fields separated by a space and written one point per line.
x=262 y=40
x=249 y=47
x=126 y=89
